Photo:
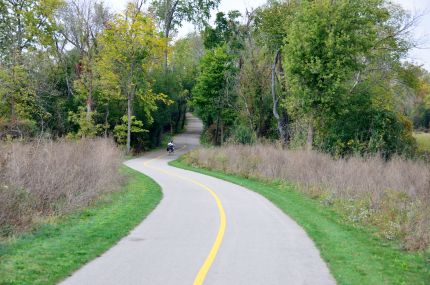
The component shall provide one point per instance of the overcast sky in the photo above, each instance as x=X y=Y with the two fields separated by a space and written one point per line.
x=417 y=7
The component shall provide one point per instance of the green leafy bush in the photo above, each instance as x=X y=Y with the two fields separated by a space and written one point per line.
x=120 y=131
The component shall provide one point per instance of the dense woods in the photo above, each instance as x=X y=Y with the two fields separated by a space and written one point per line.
x=313 y=74
x=75 y=69
x=317 y=74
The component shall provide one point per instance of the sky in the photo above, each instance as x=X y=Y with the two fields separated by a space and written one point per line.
x=420 y=55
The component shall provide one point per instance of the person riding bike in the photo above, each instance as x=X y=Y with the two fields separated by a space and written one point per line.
x=170 y=147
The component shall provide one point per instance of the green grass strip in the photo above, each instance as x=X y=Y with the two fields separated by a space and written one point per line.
x=56 y=250
x=354 y=255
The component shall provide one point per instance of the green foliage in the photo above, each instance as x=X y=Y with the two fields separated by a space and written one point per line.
x=25 y=25
x=19 y=129
x=130 y=48
x=57 y=57
x=226 y=31
x=87 y=128
x=243 y=135
x=324 y=48
x=120 y=131
x=333 y=55
x=16 y=93
x=185 y=60
x=415 y=95
x=177 y=84
x=171 y=14
x=272 y=23
x=423 y=141
x=339 y=71
x=364 y=127
x=253 y=92
x=211 y=94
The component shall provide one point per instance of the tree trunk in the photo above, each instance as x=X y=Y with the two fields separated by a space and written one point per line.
x=166 y=56
x=282 y=121
x=184 y=117
x=222 y=134
x=178 y=123
x=168 y=19
x=88 y=109
x=69 y=88
x=217 y=131
x=158 y=136
x=12 y=109
x=106 y=120
x=167 y=23
x=90 y=95
x=129 y=100
x=310 y=138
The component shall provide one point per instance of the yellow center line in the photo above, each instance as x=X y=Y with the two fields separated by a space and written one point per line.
x=200 y=278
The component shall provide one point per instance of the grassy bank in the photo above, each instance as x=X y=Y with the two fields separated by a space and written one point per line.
x=55 y=250
x=354 y=255
x=391 y=196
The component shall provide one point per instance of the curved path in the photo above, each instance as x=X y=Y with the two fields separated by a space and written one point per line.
x=188 y=235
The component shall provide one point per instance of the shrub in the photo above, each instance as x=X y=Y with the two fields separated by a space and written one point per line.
x=41 y=179
x=18 y=129
x=244 y=135
x=365 y=128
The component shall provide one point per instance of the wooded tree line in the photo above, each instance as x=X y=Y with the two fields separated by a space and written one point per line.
x=320 y=74
x=73 y=68
x=328 y=75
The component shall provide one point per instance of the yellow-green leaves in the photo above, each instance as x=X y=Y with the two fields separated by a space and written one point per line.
x=130 y=47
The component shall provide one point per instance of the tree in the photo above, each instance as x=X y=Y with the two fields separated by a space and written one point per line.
x=272 y=23
x=226 y=31
x=254 y=90
x=129 y=47
x=340 y=56
x=81 y=22
x=212 y=95
x=86 y=123
x=170 y=15
x=412 y=90
x=121 y=130
x=185 y=59
x=25 y=26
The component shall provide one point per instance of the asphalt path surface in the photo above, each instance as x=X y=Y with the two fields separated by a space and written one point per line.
x=206 y=231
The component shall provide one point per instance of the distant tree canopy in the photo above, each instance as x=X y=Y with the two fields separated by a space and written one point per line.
x=73 y=68
x=340 y=60
x=328 y=75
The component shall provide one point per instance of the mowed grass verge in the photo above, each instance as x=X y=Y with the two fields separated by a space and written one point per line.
x=55 y=250
x=354 y=255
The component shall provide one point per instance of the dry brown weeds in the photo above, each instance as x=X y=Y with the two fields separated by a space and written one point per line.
x=46 y=178
x=392 y=195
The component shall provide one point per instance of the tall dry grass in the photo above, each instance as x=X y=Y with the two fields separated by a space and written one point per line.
x=46 y=178
x=392 y=195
